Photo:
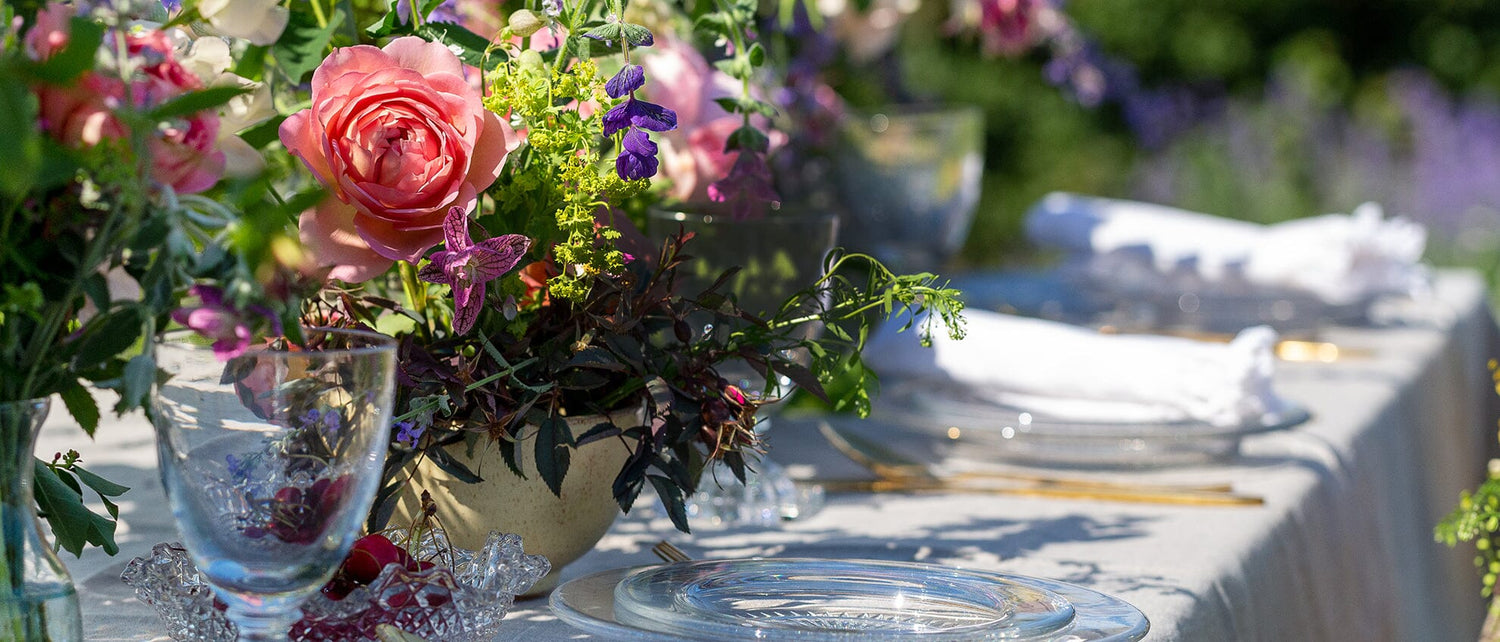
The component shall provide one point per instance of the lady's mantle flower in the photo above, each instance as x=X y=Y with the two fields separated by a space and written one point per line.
x=637 y=158
x=466 y=266
x=217 y=320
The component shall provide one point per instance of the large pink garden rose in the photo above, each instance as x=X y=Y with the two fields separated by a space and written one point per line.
x=399 y=137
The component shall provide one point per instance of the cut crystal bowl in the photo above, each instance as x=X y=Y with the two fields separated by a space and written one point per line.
x=462 y=599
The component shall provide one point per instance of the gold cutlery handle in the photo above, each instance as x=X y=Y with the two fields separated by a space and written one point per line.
x=1184 y=497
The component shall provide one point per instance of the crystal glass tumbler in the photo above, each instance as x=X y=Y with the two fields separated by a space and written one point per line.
x=270 y=460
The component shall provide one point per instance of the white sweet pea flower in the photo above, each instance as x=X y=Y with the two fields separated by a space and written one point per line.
x=259 y=21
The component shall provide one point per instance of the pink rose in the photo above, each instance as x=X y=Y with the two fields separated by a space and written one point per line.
x=184 y=153
x=399 y=137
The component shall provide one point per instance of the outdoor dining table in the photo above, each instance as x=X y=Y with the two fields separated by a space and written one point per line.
x=1342 y=548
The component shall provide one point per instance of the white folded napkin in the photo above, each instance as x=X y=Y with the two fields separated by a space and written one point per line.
x=1068 y=372
x=1340 y=258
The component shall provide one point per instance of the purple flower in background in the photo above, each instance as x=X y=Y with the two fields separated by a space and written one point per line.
x=466 y=266
x=629 y=78
x=445 y=12
x=408 y=432
x=639 y=113
x=748 y=184
x=230 y=328
x=171 y=5
x=552 y=8
x=638 y=158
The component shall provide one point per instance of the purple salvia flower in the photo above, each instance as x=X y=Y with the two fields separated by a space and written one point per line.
x=408 y=432
x=639 y=113
x=466 y=266
x=747 y=185
x=638 y=158
x=629 y=78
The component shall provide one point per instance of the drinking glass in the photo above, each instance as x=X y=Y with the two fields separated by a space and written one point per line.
x=778 y=254
x=909 y=180
x=271 y=460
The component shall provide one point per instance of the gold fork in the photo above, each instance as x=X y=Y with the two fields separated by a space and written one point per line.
x=669 y=553
x=892 y=466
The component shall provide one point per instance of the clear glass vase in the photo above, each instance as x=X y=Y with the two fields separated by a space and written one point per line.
x=37 y=602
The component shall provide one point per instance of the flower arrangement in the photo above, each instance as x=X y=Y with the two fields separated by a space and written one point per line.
x=482 y=194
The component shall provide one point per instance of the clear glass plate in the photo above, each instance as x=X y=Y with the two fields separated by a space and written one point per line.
x=827 y=599
x=988 y=431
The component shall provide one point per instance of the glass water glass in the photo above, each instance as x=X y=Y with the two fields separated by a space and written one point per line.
x=271 y=460
x=909 y=180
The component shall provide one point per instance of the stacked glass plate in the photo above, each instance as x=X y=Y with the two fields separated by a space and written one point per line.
x=828 y=599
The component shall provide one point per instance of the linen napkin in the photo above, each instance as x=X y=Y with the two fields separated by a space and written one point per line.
x=1067 y=372
x=1339 y=258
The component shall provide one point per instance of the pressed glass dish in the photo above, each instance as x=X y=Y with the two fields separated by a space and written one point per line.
x=828 y=599
x=464 y=602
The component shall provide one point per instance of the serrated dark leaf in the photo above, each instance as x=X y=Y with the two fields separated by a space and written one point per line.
x=595 y=357
x=81 y=405
x=672 y=499
x=599 y=431
x=448 y=464
x=552 y=454
x=106 y=336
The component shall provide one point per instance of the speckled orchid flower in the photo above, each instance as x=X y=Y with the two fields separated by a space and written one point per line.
x=467 y=266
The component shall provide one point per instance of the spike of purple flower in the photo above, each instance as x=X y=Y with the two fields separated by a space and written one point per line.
x=639 y=113
x=466 y=266
x=628 y=79
x=748 y=184
x=638 y=158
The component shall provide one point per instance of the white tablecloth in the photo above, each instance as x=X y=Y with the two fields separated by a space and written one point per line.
x=1342 y=549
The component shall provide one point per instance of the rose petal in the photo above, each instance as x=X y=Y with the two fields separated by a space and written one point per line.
x=423 y=57
x=328 y=232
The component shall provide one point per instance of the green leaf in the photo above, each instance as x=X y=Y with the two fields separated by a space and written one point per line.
x=265 y=133
x=387 y=24
x=609 y=32
x=140 y=373
x=67 y=65
x=552 y=454
x=72 y=523
x=104 y=487
x=21 y=155
x=195 y=101
x=253 y=63
x=671 y=497
x=452 y=466
x=637 y=35
x=756 y=54
x=106 y=336
x=301 y=46
x=471 y=46
x=81 y=405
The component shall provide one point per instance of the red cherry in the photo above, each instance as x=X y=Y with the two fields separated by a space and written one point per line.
x=371 y=554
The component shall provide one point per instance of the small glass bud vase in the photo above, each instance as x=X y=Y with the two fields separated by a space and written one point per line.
x=37 y=599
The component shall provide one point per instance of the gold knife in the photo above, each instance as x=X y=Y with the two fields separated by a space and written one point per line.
x=1183 y=497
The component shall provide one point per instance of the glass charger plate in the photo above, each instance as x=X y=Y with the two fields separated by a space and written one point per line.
x=827 y=599
x=987 y=431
